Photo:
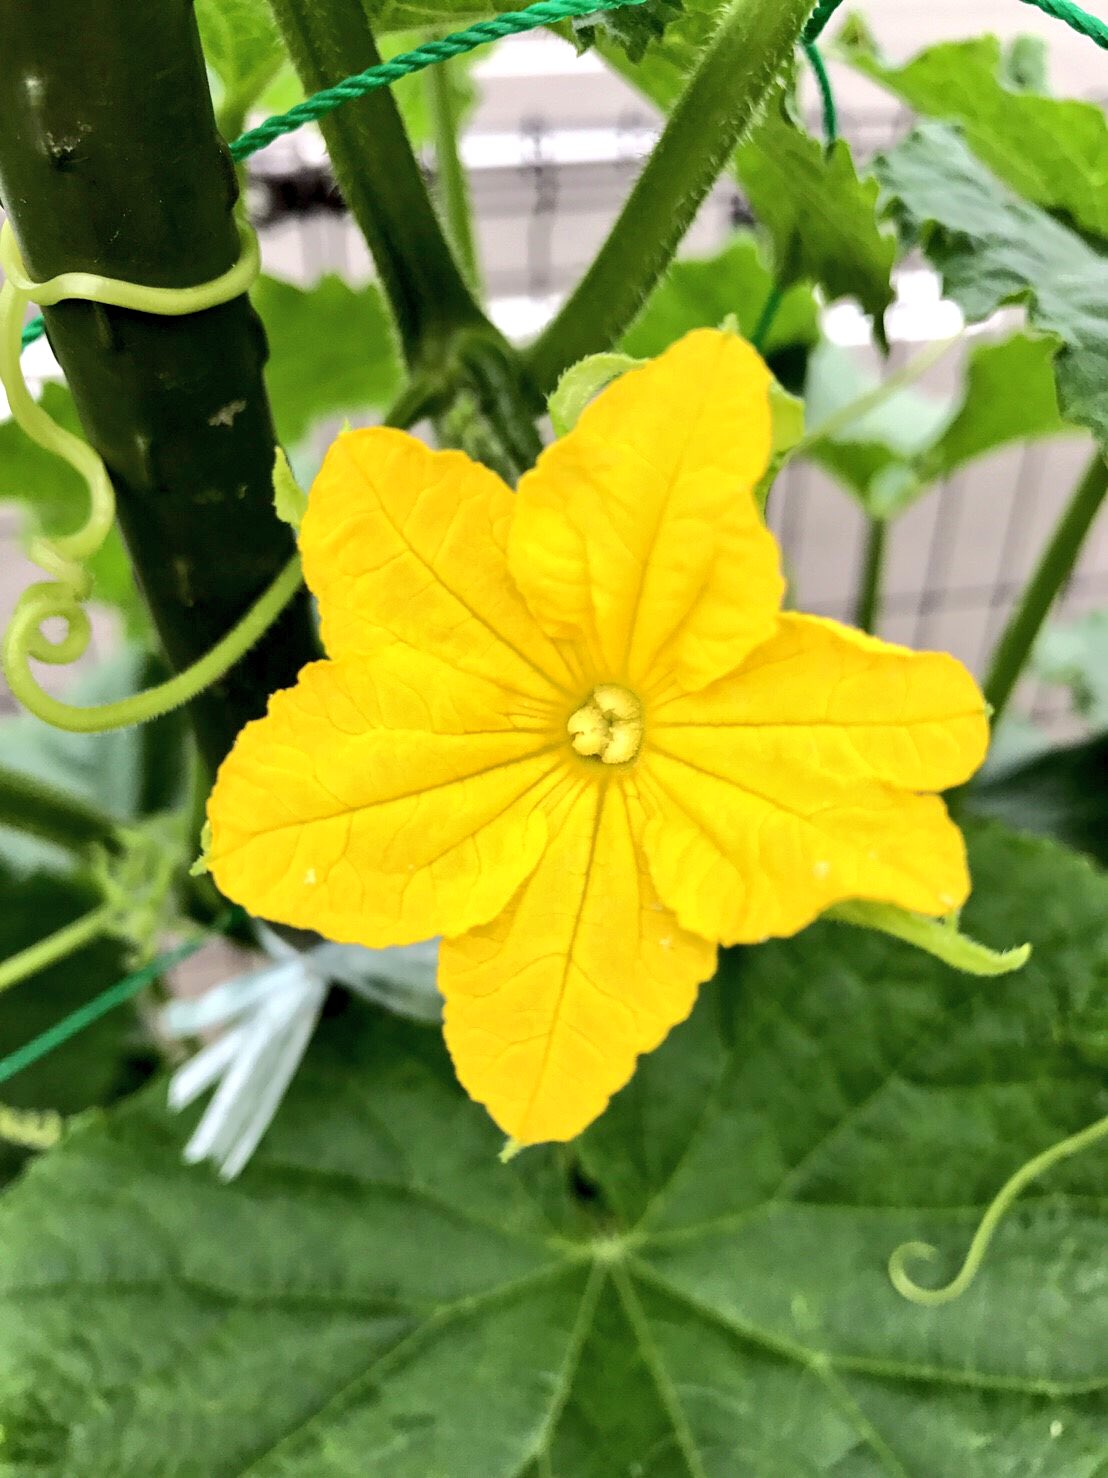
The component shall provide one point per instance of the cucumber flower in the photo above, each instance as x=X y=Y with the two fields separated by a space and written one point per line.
x=571 y=730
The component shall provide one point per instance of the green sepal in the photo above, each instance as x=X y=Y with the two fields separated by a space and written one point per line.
x=202 y=866
x=938 y=937
x=787 y=412
x=581 y=383
x=290 y=501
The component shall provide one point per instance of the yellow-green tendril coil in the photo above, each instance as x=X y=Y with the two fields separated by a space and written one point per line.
x=1002 y=1202
x=65 y=558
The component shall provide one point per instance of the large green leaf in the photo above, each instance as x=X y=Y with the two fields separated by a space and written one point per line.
x=55 y=501
x=331 y=351
x=703 y=1291
x=243 y=47
x=874 y=456
x=1061 y=794
x=1075 y=655
x=701 y=292
x=993 y=248
x=894 y=452
x=1051 y=151
x=93 y=1068
x=821 y=216
x=662 y=72
x=1008 y=394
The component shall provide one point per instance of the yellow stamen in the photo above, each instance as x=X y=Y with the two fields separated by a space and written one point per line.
x=609 y=726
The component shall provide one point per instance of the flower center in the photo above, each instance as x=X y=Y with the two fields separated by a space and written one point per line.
x=609 y=726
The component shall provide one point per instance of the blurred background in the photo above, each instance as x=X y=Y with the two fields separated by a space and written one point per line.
x=552 y=144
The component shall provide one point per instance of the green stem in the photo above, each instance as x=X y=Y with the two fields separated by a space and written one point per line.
x=451 y=182
x=868 y=611
x=446 y=338
x=380 y=177
x=748 y=51
x=30 y=805
x=110 y=163
x=1054 y=569
x=846 y=415
x=54 y=947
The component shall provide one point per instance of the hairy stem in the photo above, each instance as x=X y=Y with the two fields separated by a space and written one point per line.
x=481 y=396
x=110 y=163
x=30 y=805
x=451 y=182
x=868 y=610
x=56 y=946
x=1054 y=569
x=749 y=50
x=380 y=177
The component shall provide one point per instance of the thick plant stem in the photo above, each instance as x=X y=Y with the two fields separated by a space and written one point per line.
x=482 y=397
x=753 y=43
x=1054 y=569
x=451 y=182
x=110 y=163
x=53 y=815
x=868 y=610
x=379 y=176
x=54 y=947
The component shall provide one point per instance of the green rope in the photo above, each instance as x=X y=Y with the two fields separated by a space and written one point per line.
x=827 y=96
x=69 y=1026
x=818 y=23
x=1077 y=19
x=545 y=13
x=766 y=317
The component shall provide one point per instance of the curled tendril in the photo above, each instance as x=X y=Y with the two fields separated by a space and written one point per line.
x=65 y=558
x=1001 y=1203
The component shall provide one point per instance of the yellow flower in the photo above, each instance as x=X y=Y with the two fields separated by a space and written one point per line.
x=571 y=731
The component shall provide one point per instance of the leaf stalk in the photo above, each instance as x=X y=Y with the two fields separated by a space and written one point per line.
x=1053 y=570
x=38 y=809
x=753 y=44
x=57 y=946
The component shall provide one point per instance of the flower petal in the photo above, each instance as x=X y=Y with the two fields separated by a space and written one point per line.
x=549 y=1006
x=764 y=853
x=403 y=542
x=383 y=800
x=638 y=535
x=833 y=700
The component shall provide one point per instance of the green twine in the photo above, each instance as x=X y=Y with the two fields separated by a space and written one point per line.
x=827 y=96
x=69 y=1026
x=545 y=13
x=766 y=317
x=1073 y=16
x=1060 y=10
x=818 y=22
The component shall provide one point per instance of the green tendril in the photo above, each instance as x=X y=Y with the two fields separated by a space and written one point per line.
x=826 y=92
x=65 y=558
x=57 y=946
x=1001 y=1203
